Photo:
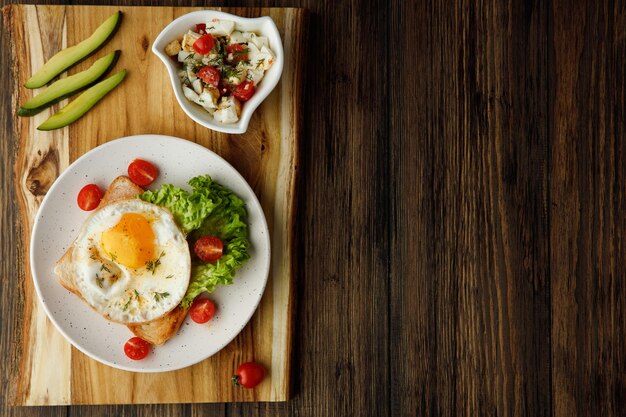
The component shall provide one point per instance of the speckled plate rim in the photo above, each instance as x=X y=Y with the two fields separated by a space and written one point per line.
x=262 y=253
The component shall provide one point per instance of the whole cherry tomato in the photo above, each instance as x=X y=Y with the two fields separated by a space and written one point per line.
x=249 y=375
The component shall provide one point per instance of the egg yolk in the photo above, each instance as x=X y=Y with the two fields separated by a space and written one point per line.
x=130 y=242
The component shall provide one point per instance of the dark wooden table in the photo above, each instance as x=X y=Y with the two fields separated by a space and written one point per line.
x=462 y=214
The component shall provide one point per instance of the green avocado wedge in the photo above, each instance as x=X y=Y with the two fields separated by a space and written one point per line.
x=71 y=85
x=69 y=56
x=81 y=105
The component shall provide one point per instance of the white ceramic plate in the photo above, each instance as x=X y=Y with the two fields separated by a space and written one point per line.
x=59 y=220
x=263 y=26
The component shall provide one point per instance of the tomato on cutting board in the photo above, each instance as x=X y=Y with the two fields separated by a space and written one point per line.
x=249 y=375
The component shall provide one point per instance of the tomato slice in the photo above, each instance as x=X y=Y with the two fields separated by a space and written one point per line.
x=201 y=28
x=209 y=248
x=210 y=75
x=204 y=44
x=202 y=310
x=249 y=375
x=136 y=348
x=244 y=91
x=236 y=52
x=89 y=197
x=142 y=172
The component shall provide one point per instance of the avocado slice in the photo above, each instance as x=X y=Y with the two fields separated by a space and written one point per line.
x=74 y=54
x=71 y=85
x=81 y=105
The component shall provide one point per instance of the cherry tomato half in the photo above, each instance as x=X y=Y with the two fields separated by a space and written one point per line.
x=210 y=75
x=244 y=91
x=142 y=172
x=249 y=375
x=202 y=310
x=209 y=248
x=136 y=348
x=89 y=197
x=236 y=52
x=201 y=28
x=204 y=44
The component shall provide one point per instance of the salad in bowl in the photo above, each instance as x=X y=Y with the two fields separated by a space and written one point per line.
x=222 y=66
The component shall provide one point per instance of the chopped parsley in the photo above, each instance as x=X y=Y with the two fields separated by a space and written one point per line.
x=99 y=280
x=158 y=296
x=153 y=264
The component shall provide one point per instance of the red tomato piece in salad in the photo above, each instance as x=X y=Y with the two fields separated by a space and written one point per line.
x=210 y=75
x=201 y=28
x=202 y=310
x=136 y=348
x=244 y=91
x=204 y=44
x=209 y=248
x=89 y=197
x=236 y=52
x=142 y=173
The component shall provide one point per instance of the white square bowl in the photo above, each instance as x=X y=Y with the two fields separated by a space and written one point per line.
x=263 y=26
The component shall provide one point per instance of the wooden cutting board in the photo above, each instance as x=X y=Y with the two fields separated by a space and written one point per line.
x=51 y=370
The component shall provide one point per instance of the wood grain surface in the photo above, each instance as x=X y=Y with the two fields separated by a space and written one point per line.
x=462 y=199
x=267 y=156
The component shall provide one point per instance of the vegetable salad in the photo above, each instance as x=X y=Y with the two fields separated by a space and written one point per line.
x=221 y=66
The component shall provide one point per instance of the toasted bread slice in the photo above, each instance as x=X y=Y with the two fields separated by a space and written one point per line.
x=156 y=331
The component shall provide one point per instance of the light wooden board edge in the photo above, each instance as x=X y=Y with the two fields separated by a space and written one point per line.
x=41 y=145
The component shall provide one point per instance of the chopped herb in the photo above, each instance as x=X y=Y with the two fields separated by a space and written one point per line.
x=158 y=296
x=99 y=280
x=93 y=257
x=152 y=265
x=169 y=276
x=136 y=295
x=113 y=257
x=259 y=63
x=126 y=305
x=104 y=268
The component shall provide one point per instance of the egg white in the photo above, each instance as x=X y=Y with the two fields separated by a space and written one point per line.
x=128 y=295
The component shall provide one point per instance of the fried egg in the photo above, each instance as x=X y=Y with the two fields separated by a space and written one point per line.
x=130 y=262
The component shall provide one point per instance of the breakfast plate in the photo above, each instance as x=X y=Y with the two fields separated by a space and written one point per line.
x=60 y=219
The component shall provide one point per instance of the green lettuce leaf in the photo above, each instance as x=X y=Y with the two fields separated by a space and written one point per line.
x=210 y=209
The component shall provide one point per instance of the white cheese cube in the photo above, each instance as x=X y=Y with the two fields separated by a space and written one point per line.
x=207 y=100
x=219 y=27
x=228 y=111
x=264 y=59
x=190 y=74
x=240 y=76
x=260 y=41
x=237 y=37
x=197 y=85
x=182 y=55
x=190 y=94
x=255 y=75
